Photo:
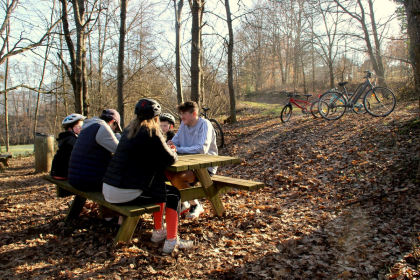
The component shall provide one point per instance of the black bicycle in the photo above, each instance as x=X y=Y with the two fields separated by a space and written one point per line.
x=220 y=139
x=377 y=101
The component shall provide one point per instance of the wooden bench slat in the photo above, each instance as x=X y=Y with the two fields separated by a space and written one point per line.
x=223 y=181
x=128 y=210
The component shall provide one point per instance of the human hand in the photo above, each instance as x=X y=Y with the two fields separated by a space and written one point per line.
x=170 y=142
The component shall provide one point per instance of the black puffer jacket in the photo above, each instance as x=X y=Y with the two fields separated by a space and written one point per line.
x=60 y=163
x=88 y=161
x=139 y=163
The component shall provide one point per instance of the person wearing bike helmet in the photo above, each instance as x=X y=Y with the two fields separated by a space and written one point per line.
x=93 y=151
x=135 y=174
x=167 y=122
x=195 y=136
x=72 y=125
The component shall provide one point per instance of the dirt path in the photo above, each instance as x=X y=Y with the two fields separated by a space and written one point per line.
x=339 y=204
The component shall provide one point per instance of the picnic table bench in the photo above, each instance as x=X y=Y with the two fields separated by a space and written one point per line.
x=210 y=188
x=4 y=158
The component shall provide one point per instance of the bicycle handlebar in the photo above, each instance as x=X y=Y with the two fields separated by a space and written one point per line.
x=368 y=74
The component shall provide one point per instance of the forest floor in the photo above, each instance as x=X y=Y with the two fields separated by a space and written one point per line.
x=341 y=202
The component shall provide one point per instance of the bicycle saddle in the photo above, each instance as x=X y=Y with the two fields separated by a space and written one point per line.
x=205 y=108
x=307 y=95
x=342 y=83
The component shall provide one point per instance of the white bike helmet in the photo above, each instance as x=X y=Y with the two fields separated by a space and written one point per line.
x=72 y=118
x=167 y=117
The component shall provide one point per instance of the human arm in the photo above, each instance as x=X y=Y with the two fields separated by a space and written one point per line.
x=166 y=155
x=175 y=139
x=106 y=138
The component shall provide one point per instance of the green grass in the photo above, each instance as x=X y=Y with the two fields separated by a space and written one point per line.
x=264 y=108
x=19 y=150
x=270 y=109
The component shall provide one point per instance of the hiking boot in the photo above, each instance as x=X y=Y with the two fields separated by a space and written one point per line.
x=195 y=211
x=185 y=207
x=158 y=235
x=169 y=246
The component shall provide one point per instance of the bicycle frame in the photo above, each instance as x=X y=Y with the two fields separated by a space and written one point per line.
x=353 y=99
x=296 y=103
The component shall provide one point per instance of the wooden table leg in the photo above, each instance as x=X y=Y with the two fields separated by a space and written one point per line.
x=210 y=190
x=76 y=207
x=127 y=228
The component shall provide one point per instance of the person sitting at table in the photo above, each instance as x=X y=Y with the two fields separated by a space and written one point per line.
x=167 y=122
x=72 y=125
x=93 y=151
x=136 y=173
x=195 y=136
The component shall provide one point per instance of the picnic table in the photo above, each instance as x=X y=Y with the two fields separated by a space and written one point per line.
x=4 y=158
x=210 y=187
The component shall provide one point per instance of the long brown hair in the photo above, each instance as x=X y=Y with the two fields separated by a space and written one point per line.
x=152 y=125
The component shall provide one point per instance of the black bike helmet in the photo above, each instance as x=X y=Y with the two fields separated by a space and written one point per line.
x=147 y=108
x=167 y=117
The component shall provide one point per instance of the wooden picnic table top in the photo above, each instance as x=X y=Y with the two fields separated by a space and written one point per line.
x=199 y=161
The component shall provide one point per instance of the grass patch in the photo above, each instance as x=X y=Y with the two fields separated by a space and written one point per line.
x=19 y=150
x=264 y=108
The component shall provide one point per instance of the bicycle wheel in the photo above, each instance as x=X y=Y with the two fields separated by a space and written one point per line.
x=379 y=101
x=332 y=105
x=314 y=108
x=220 y=138
x=286 y=113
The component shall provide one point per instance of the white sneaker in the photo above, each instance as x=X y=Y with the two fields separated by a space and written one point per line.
x=169 y=246
x=195 y=211
x=185 y=207
x=158 y=235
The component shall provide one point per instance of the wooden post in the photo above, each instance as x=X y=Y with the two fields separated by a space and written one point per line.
x=126 y=230
x=75 y=208
x=210 y=190
x=44 y=152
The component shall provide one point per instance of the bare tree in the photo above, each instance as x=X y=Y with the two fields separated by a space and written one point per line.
x=77 y=73
x=327 y=40
x=230 y=64
x=120 y=77
x=374 y=52
x=178 y=22
x=197 y=8
x=47 y=50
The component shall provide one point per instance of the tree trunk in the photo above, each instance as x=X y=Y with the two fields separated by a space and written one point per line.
x=381 y=70
x=120 y=78
x=79 y=11
x=39 y=88
x=196 y=51
x=412 y=8
x=6 y=74
x=230 y=65
x=47 y=50
x=178 y=22
x=305 y=90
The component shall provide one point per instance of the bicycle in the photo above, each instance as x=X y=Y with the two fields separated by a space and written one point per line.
x=377 y=101
x=358 y=107
x=220 y=139
x=305 y=106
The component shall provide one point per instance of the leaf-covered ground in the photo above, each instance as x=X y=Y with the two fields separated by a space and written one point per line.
x=341 y=202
